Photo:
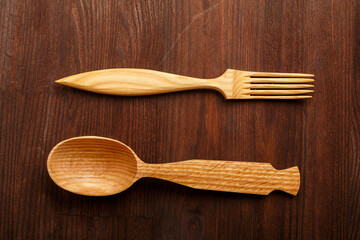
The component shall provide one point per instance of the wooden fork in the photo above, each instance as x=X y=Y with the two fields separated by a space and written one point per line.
x=233 y=84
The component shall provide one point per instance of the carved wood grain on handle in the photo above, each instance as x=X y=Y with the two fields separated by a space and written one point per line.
x=136 y=82
x=240 y=177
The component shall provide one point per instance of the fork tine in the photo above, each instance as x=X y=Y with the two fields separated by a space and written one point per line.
x=280 y=86
x=281 y=80
x=279 y=92
x=273 y=74
x=280 y=97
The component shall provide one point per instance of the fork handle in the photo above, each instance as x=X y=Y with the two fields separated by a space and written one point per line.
x=135 y=82
x=228 y=176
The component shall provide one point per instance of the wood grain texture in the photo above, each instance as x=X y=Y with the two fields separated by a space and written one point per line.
x=233 y=84
x=42 y=41
x=226 y=176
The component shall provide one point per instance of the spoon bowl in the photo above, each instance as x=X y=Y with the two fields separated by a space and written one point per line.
x=92 y=165
x=98 y=166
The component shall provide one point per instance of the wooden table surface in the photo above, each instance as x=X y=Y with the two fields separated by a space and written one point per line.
x=42 y=41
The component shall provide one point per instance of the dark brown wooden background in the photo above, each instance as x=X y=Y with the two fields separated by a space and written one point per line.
x=41 y=41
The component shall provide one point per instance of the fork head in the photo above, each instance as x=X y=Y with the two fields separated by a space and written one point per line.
x=265 y=85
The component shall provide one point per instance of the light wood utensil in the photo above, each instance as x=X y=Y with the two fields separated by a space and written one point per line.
x=233 y=84
x=98 y=166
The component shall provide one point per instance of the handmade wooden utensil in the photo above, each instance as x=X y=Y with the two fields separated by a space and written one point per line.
x=98 y=166
x=233 y=84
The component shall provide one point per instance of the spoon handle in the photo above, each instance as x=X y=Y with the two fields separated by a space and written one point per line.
x=228 y=176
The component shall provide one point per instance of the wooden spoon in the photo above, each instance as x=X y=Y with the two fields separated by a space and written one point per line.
x=98 y=166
